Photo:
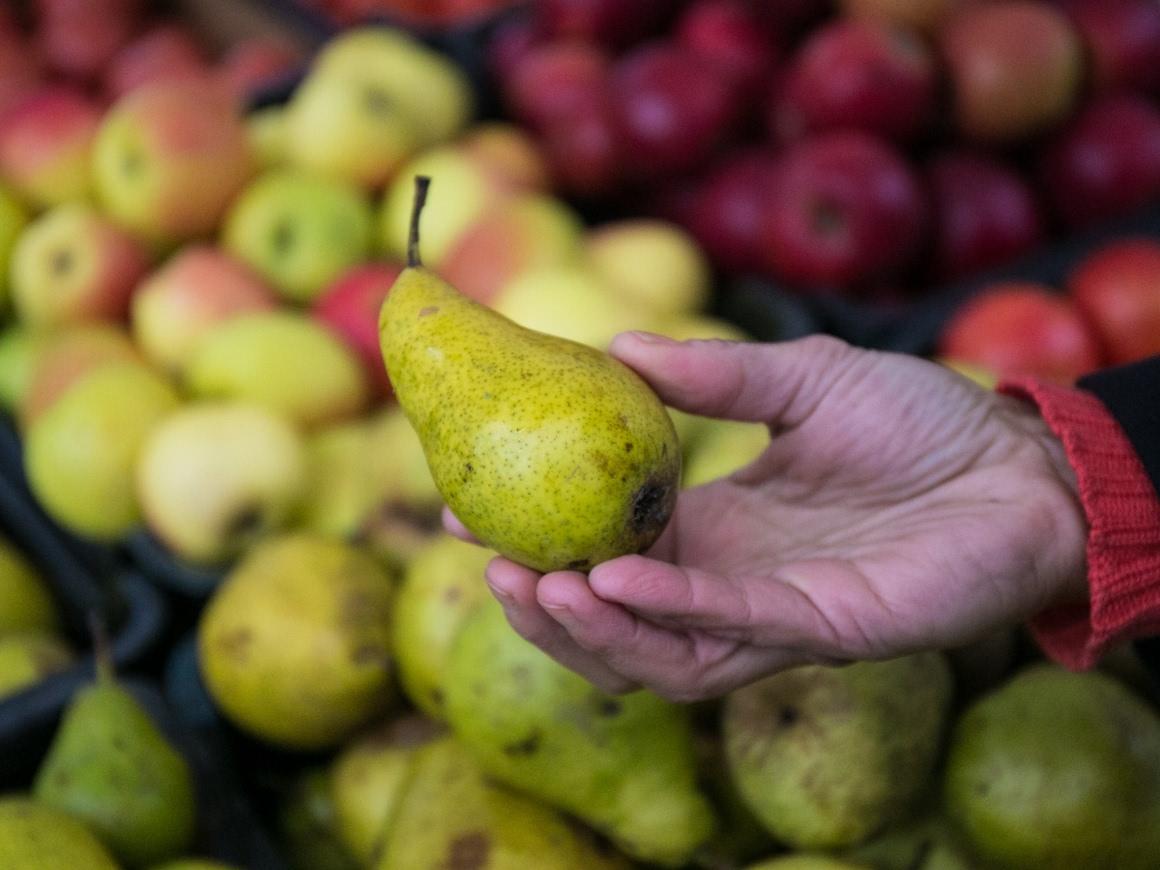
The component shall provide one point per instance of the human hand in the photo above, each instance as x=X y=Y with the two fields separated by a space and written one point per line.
x=898 y=507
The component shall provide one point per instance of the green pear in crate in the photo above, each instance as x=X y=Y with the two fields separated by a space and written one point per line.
x=110 y=766
x=927 y=841
x=367 y=780
x=26 y=603
x=441 y=586
x=1058 y=769
x=805 y=861
x=552 y=453
x=307 y=824
x=27 y=657
x=194 y=864
x=451 y=815
x=827 y=757
x=624 y=765
x=34 y=836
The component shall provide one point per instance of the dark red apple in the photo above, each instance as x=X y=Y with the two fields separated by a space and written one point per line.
x=789 y=18
x=727 y=208
x=552 y=80
x=509 y=44
x=79 y=38
x=848 y=210
x=583 y=149
x=614 y=24
x=1117 y=288
x=21 y=72
x=860 y=74
x=1022 y=328
x=1015 y=68
x=1105 y=161
x=925 y=16
x=258 y=62
x=1123 y=42
x=672 y=110
x=167 y=52
x=350 y=306
x=729 y=33
x=983 y=214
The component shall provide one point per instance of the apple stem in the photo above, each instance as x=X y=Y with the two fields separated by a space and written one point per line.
x=101 y=651
x=422 y=182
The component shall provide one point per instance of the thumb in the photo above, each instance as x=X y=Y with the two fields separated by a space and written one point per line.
x=758 y=382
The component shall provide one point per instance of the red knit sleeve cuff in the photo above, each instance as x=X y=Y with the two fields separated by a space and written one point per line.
x=1123 y=514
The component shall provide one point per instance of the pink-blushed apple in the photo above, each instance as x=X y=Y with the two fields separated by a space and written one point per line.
x=729 y=33
x=925 y=16
x=46 y=145
x=849 y=210
x=1022 y=328
x=1123 y=42
x=672 y=109
x=984 y=213
x=1014 y=68
x=509 y=152
x=552 y=81
x=74 y=264
x=350 y=307
x=258 y=62
x=195 y=289
x=1105 y=161
x=727 y=208
x=1117 y=289
x=79 y=38
x=165 y=53
x=613 y=24
x=170 y=157
x=860 y=74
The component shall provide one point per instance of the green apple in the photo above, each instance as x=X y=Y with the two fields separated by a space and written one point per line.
x=20 y=346
x=299 y=231
x=80 y=455
x=13 y=218
x=651 y=262
x=73 y=264
x=197 y=287
x=169 y=158
x=214 y=477
x=283 y=360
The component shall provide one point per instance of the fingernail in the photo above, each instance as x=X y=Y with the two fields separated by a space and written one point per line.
x=652 y=338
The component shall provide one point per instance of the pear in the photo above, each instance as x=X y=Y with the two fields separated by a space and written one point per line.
x=307 y=824
x=441 y=586
x=339 y=492
x=452 y=816
x=20 y=348
x=34 y=836
x=925 y=842
x=27 y=657
x=26 y=602
x=624 y=765
x=552 y=453
x=367 y=780
x=110 y=766
x=1057 y=769
x=194 y=864
x=827 y=757
x=81 y=453
x=803 y=861
x=294 y=646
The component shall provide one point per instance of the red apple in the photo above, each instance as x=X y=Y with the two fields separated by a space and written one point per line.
x=984 y=214
x=1105 y=161
x=729 y=33
x=79 y=38
x=728 y=205
x=509 y=44
x=46 y=144
x=21 y=71
x=613 y=24
x=553 y=80
x=168 y=52
x=925 y=16
x=1015 y=68
x=258 y=62
x=860 y=74
x=350 y=306
x=1022 y=328
x=672 y=109
x=584 y=150
x=849 y=210
x=1117 y=288
x=792 y=17
x=1123 y=42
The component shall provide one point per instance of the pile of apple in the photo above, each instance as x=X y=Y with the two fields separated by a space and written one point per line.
x=418 y=13
x=870 y=147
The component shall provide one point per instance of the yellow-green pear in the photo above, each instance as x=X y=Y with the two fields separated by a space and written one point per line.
x=626 y=765
x=20 y=346
x=34 y=836
x=573 y=302
x=368 y=779
x=339 y=492
x=827 y=757
x=294 y=646
x=81 y=453
x=27 y=657
x=804 y=861
x=281 y=359
x=722 y=447
x=307 y=824
x=927 y=841
x=26 y=601
x=1057 y=769
x=452 y=815
x=13 y=219
x=442 y=584
x=551 y=452
x=655 y=264
x=194 y=864
x=215 y=476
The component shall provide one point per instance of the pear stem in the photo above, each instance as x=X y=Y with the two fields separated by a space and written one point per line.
x=101 y=650
x=422 y=182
